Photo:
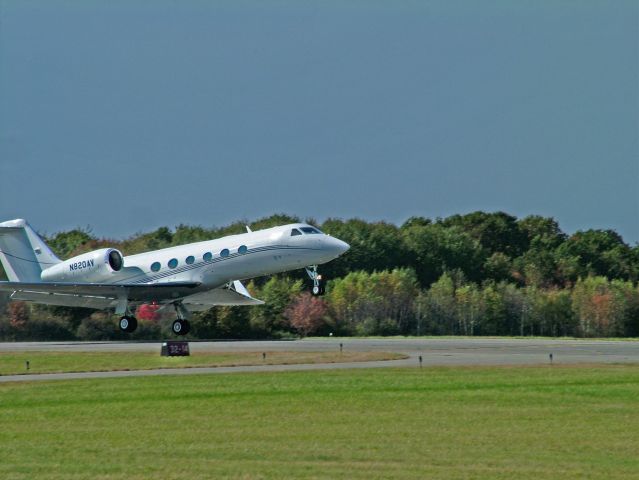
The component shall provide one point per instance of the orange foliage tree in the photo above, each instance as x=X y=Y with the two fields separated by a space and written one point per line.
x=307 y=314
x=18 y=314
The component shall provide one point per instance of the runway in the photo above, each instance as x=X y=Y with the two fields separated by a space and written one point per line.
x=433 y=352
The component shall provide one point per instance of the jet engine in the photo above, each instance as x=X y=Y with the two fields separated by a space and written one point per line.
x=93 y=267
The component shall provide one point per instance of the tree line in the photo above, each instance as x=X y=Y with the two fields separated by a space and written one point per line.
x=474 y=274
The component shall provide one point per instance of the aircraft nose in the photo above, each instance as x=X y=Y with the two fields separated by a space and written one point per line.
x=343 y=246
x=338 y=246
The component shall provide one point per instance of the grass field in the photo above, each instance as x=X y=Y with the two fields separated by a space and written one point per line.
x=452 y=423
x=13 y=363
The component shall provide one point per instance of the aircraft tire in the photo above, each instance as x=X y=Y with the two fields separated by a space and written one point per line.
x=318 y=290
x=133 y=324
x=128 y=324
x=181 y=327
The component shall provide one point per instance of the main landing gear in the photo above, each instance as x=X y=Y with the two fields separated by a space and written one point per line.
x=181 y=326
x=128 y=323
x=318 y=284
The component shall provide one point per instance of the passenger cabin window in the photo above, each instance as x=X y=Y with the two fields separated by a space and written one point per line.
x=173 y=263
x=190 y=259
x=207 y=256
x=295 y=232
x=155 y=267
x=242 y=249
x=310 y=230
x=224 y=253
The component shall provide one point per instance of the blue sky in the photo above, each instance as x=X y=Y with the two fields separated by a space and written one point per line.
x=130 y=115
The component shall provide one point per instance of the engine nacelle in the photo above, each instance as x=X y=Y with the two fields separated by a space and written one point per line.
x=94 y=267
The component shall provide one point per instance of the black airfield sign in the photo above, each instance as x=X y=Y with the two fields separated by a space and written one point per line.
x=175 y=348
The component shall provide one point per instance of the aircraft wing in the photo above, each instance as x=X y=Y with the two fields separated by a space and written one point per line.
x=107 y=295
x=96 y=295
x=233 y=294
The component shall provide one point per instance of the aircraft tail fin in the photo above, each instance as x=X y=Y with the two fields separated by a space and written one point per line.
x=22 y=252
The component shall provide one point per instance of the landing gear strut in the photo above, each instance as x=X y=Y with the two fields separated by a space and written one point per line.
x=128 y=323
x=318 y=284
x=181 y=326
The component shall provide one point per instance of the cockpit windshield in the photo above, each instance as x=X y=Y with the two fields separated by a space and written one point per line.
x=309 y=230
x=304 y=231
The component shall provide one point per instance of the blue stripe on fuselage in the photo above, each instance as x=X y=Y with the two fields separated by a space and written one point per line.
x=176 y=271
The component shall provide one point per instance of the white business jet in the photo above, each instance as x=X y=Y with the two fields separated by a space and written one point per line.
x=190 y=277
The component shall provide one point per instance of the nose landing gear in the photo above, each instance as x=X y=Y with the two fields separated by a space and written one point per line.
x=318 y=284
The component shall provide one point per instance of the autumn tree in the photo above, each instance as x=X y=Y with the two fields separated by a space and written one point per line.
x=18 y=314
x=600 y=309
x=374 y=303
x=436 y=307
x=307 y=314
x=468 y=308
x=278 y=292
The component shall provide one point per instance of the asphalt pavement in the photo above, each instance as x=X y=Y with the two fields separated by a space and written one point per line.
x=433 y=352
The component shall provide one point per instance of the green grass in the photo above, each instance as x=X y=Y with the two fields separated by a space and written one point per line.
x=13 y=363
x=452 y=423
